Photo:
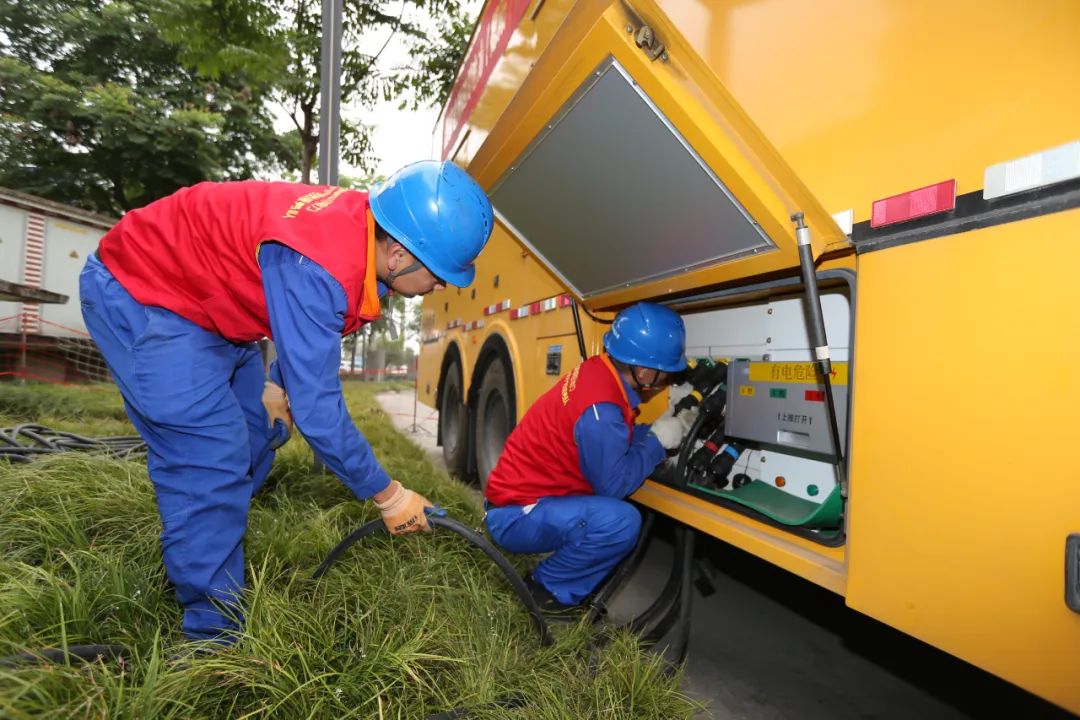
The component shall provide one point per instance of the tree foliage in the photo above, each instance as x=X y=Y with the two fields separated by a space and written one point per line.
x=283 y=38
x=99 y=111
x=110 y=104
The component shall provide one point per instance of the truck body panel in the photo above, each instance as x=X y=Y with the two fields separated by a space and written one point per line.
x=961 y=316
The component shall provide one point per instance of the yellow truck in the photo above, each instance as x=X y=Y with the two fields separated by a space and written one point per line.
x=926 y=158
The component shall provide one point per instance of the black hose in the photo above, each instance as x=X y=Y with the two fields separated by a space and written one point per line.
x=510 y=702
x=596 y=319
x=578 y=331
x=627 y=567
x=24 y=443
x=86 y=653
x=687 y=445
x=475 y=539
x=679 y=622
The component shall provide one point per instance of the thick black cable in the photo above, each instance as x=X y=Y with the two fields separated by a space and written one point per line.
x=626 y=568
x=474 y=539
x=596 y=319
x=509 y=702
x=86 y=653
x=24 y=443
x=684 y=449
x=661 y=606
x=677 y=622
x=578 y=331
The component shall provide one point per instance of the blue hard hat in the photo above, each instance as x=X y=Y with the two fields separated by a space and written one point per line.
x=439 y=213
x=649 y=336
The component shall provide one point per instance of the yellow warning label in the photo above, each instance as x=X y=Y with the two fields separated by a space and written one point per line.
x=747 y=390
x=796 y=372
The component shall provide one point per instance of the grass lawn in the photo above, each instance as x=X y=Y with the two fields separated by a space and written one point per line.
x=400 y=628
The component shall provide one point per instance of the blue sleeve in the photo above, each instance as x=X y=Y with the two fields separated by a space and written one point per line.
x=613 y=468
x=307 y=315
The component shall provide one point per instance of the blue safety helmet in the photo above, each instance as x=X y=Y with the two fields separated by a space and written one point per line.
x=439 y=214
x=648 y=335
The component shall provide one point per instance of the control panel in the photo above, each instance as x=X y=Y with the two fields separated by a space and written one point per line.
x=783 y=404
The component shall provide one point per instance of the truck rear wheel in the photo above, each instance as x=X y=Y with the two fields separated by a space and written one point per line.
x=452 y=425
x=494 y=418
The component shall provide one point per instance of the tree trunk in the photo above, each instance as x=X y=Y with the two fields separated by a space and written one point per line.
x=352 y=361
x=364 y=352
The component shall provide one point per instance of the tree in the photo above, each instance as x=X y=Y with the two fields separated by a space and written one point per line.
x=99 y=111
x=435 y=63
x=286 y=39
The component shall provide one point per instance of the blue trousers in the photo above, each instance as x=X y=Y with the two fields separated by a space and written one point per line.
x=196 y=399
x=587 y=535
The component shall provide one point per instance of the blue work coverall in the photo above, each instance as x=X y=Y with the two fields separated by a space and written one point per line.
x=196 y=398
x=587 y=534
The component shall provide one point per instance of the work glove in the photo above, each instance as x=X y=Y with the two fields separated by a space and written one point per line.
x=403 y=511
x=669 y=431
x=688 y=417
x=276 y=404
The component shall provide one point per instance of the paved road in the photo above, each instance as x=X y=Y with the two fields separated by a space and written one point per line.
x=417 y=421
x=767 y=645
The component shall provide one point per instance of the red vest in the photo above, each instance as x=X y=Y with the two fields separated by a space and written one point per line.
x=196 y=251
x=540 y=458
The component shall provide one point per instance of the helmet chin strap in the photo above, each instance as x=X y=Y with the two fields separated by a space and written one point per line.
x=395 y=274
x=638 y=386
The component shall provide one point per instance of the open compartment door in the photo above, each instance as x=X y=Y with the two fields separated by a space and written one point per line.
x=644 y=177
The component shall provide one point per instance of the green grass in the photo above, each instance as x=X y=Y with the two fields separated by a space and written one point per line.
x=400 y=628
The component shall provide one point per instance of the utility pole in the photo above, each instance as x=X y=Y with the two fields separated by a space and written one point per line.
x=330 y=102
x=330 y=92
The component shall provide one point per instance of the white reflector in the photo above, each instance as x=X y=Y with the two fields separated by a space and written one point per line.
x=1032 y=171
x=845 y=220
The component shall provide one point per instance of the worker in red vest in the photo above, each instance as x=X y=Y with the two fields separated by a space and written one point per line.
x=560 y=483
x=180 y=291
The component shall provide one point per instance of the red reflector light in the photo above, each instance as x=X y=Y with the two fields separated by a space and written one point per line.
x=815 y=396
x=929 y=200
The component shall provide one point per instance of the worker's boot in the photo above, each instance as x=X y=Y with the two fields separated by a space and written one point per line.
x=549 y=604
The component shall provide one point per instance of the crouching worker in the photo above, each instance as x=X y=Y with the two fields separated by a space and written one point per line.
x=177 y=296
x=560 y=484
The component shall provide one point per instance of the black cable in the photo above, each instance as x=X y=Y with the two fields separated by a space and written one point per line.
x=661 y=606
x=681 y=624
x=475 y=539
x=509 y=702
x=627 y=567
x=684 y=449
x=596 y=319
x=578 y=331
x=86 y=653
x=25 y=442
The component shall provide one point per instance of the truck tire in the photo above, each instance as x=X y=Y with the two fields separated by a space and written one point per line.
x=452 y=424
x=494 y=419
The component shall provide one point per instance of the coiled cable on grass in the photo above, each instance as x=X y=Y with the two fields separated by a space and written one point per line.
x=25 y=442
